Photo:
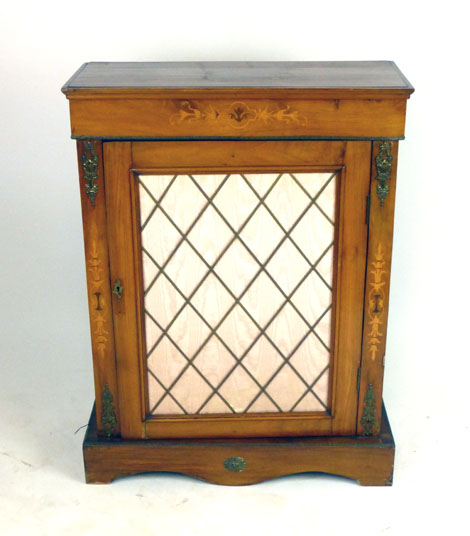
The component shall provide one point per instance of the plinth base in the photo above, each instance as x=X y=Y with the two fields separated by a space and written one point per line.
x=238 y=462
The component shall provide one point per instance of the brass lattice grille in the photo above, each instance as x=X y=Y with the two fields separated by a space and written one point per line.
x=237 y=285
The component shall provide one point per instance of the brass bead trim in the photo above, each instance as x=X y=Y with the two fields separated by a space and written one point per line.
x=383 y=164
x=108 y=415
x=368 y=415
x=90 y=171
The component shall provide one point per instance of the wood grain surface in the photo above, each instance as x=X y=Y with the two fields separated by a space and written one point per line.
x=98 y=282
x=367 y=460
x=253 y=74
x=253 y=113
x=350 y=160
x=379 y=261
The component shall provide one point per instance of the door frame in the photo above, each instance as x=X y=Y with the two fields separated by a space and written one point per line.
x=122 y=162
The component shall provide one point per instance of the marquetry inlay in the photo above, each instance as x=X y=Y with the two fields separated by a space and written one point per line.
x=98 y=320
x=237 y=115
x=376 y=302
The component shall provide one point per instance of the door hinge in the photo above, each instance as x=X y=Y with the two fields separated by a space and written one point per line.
x=358 y=380
x=367 y=209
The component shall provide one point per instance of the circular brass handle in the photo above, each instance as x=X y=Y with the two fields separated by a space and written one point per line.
x=235 y=464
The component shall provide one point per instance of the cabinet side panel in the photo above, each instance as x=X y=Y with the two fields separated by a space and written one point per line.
x=382 y=202
x=90 y=165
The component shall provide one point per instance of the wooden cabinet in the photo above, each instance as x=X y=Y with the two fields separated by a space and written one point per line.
x=238 y=224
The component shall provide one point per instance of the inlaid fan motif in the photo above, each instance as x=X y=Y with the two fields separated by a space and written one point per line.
x=237 y=273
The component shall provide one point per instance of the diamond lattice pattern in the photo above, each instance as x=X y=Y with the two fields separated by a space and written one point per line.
x=237 y=274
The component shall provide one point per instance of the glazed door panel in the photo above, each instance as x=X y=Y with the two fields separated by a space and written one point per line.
x=242 y=273
x=237 y=279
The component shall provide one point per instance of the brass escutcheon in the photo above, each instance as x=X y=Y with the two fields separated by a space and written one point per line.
x=117 y=289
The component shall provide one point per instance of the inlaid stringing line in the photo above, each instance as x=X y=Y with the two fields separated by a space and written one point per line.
x=263 y=265
x=314 y=200
x=262 y=332
x=310 y=197
x=152 y=212
x=167 y=392
x=187 y=300
x=213 y=332
x=158 y=205
x=222 y=253
x=190 y=363
x=315 y=381
x=287 y=361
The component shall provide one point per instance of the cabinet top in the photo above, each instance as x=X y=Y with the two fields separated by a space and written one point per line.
x=357 y=99
x=318 y=75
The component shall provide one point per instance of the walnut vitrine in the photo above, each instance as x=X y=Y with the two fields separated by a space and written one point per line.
x=238 y=224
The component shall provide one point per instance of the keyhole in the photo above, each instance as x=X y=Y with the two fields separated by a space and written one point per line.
x=117 y=290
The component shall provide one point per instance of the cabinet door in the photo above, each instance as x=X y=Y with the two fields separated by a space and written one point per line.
x=242 y=266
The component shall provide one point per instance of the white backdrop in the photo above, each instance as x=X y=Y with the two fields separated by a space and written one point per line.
x=45 y=360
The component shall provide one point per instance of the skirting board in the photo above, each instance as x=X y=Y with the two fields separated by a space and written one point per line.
x=238 y=462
